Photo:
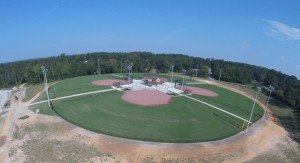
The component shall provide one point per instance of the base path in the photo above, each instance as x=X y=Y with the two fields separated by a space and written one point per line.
x=147 y=97
x=108 y=82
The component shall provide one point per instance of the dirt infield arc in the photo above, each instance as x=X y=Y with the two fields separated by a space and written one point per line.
x=195 y=90
x=147 y=97
x=108 y=82
x=200 y=91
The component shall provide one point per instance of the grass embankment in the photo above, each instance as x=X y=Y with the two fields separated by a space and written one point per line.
x=32 y=90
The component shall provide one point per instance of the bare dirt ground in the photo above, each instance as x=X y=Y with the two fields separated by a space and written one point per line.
x=108 y=82
x=147 y=97
x=41 y=138
x=200 y=91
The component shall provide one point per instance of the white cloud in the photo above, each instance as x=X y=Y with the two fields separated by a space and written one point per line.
x=282 y=31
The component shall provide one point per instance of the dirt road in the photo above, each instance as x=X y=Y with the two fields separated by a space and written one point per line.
x=41 y=138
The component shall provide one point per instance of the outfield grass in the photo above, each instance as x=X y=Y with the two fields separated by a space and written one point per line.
x=181 y=121
x=231 y=101
x=78 y=85
x=184 y=120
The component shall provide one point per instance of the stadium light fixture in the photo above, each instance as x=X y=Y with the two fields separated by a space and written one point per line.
x=258 y=91
x=129 y=67
x=44 y=70
x=271 y=88
x=172 y=73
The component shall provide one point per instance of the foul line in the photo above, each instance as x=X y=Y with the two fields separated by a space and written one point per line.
x=217 y=108
x=107 y=90
x=76 y=95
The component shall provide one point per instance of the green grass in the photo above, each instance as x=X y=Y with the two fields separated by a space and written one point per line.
x=287 y=117
x=184 y=120
x=176 y=122
x=43 y=107
x=230 y=101
x=78 y=85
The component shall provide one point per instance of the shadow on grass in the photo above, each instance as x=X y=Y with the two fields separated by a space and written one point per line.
x=229 y=122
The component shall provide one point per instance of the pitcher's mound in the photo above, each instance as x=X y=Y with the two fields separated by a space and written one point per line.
x=147 y=97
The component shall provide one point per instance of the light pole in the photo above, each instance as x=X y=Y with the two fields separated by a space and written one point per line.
x=129 y=67
x=220 y=74
x=258 y=90
x=271 y=88
x=131 y=77
x=44 y=70
x=98 y=66
x=172 y=73
x=183 y=79
x=121 y=65
x=197 y=71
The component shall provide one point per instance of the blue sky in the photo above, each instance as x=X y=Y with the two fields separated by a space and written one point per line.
x=259 y=32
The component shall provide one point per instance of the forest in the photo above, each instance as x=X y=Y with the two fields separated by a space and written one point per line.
x=287 y=88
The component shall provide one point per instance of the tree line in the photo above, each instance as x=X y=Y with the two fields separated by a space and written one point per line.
x=287 y=88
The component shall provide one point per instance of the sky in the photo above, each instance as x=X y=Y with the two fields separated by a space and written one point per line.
x=259 y=32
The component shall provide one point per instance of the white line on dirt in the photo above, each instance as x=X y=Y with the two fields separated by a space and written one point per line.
x=216 y=108
x=76 y=95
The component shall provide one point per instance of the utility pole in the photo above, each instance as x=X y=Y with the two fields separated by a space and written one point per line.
x=44 y=70
x=98 y=66
x=220 y=74
x=172 y=73
x=129 y=67
x=121 y=65
x=183 y=79
x=271 y=88
x=131 y=64
x=258 y=90
x=197 y=71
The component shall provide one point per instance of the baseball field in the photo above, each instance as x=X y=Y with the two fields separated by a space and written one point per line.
x=190 y=117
